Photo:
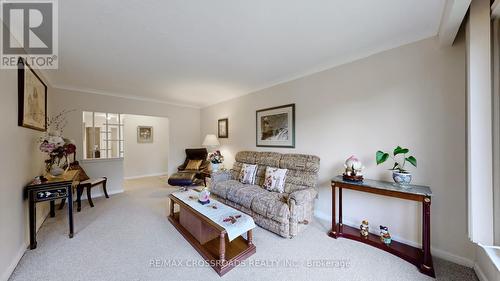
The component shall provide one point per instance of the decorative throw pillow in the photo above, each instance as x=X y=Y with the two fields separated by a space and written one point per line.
x=193 y=164
x=247 y=173
x=275 y=179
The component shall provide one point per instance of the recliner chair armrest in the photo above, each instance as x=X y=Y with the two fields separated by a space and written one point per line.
x=205 y=166
x=221 y=176
x=303 y=196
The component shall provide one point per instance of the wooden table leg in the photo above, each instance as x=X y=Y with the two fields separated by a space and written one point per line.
x=79 y=192
x=426 y=237
x=340 y=211
x=333 y=231
x=171 y=208
x=52 y=209
x=250 y=237
x=70 y=210
x=222 y=247
x=89 y=196
x=32 y=219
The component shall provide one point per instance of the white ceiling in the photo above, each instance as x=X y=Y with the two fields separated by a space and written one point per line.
x=199 y=52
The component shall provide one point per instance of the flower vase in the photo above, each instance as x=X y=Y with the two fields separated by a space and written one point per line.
x=215 y=167
x=56 y=171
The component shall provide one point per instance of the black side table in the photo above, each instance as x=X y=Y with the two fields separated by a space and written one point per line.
x=51 y=190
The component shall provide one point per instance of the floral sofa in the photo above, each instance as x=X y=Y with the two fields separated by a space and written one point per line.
x=285 y=214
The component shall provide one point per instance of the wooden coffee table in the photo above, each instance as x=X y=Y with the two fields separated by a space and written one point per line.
x=210 y=238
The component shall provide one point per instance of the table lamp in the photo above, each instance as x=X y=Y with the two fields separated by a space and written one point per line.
x=211 y=141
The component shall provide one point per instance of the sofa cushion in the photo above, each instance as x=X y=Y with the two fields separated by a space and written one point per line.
x=222 y=188
x=275 y=179
x=247 y=173
x=245 y=195
x=264 y=160
x=300 y=162
x=272 y=205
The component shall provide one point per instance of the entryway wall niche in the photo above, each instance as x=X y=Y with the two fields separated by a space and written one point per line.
x=142 y=159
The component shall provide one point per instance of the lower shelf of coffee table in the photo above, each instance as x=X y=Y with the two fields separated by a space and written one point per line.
x=235 y=251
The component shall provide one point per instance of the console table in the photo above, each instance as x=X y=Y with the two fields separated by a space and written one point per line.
x=419 y=257
x=51 y=190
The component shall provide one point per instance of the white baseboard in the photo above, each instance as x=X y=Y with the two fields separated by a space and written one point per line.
x=479 y=272
x=435 y=251
x=146 y=176
x=8 y=272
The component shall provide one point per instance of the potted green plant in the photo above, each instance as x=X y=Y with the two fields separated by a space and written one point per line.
x=399 y=173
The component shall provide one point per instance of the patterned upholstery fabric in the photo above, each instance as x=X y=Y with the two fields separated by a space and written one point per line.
x=245 y=195
x=221 y=188
x=285 y=214
x=273 y=206
x=264 y=160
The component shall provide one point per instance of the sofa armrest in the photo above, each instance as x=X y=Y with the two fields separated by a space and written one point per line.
x=303 y=196
x=220 y=176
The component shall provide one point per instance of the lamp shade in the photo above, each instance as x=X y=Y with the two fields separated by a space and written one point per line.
x=211 y=140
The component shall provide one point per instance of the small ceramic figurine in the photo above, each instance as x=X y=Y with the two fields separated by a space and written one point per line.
x=384 y=235
x=364 y=228
x=353 y=169
x=204 y=196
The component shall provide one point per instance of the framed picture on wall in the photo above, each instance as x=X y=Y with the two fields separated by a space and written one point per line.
x=223 y=128
x=144 y=134
x=276 y=126
x=32 y=98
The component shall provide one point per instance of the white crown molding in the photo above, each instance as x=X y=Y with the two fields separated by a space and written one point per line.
x=119 y=95
x=453 y=14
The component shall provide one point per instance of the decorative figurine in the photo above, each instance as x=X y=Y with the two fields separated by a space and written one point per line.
x=364 y=228
x=204 y=196
x=384 y=235
x=353 y=169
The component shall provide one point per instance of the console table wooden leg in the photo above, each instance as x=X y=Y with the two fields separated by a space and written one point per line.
x=70 y=210
x=250 y=237
x=222 y=247
x=32 y=218
x=333 y=231
x=340 y=210
x=426 y=237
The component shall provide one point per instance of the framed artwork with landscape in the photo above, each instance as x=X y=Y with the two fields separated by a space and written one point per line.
x=223 y=128
x=276 y=126
x=144 y=134
x=32 y=98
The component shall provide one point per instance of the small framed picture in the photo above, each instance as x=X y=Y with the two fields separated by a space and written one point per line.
x=276 y=126
x=32 y=98
x=144 y=134
x=223 y=128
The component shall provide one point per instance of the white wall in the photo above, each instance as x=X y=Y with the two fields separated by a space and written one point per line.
x=144 y=159
x=412 y=96
x=21 y=162
x=184 y=122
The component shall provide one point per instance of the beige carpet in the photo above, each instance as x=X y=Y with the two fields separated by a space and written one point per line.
x=128 y=237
